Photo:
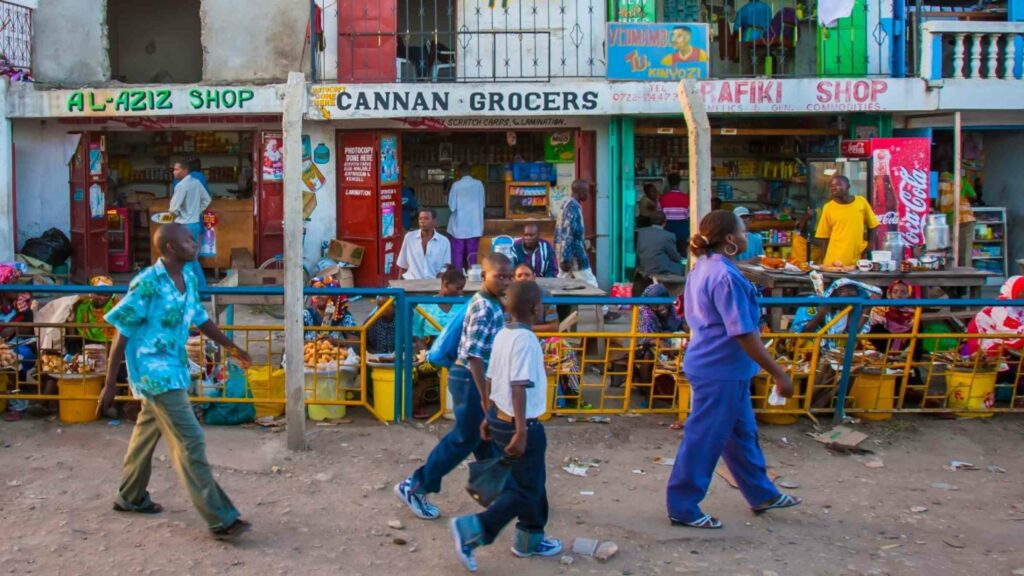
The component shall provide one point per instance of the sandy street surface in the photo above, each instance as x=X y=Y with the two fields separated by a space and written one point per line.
x=326 y=511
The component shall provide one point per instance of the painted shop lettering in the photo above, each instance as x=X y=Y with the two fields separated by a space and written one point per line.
x=393 y=101
x=137 y=100
x=532 y=101
x=742 y=92
x=847 y=91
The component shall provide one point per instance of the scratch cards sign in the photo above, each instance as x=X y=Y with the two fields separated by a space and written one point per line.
x=654 y=52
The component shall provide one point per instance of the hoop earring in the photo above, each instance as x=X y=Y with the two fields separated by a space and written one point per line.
x=735 y=249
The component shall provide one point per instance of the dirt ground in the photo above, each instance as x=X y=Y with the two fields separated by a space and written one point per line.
x=327 y=510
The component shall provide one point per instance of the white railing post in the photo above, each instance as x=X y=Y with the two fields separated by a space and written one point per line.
x=993 y=56
x=1010 y=57
x=976 y=55
x=958 y=55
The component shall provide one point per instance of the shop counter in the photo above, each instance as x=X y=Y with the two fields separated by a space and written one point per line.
x=234 y=228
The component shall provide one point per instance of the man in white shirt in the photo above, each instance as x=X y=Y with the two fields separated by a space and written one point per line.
x=188 y=202
x=466 y=199
x=425 y=252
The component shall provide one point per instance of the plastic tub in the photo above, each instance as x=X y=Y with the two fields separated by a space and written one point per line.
x=383 y=377
x=79 y=411
x=685 y=397
x=972 y=392
x=326 y=383
x=552 y=397
x=873 y=390
x=265 y=383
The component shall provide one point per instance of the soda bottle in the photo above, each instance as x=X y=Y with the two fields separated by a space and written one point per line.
x=884 y=202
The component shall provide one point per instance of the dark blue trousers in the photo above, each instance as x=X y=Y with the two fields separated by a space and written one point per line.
x=525 y=496
x=721 y=425
x=461 y=441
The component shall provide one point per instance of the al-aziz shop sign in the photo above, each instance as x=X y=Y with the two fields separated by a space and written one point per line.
x=145 y=101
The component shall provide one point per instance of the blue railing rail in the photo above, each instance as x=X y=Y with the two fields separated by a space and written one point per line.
x=405 y=305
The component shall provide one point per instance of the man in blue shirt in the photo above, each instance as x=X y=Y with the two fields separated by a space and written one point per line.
x=152 y=323
x=537 y=252
x=755 y=244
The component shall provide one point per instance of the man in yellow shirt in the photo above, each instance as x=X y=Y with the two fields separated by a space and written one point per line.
x=844 y=221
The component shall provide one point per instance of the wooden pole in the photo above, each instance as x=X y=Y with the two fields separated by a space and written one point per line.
x=956 y=190
x=698 y=132
x=7 y=240
x=291 y=111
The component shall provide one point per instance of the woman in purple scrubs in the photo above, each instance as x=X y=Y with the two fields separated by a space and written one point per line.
x=724 y=353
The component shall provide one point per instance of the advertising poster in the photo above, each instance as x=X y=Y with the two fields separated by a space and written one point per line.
x=899 y=187
x=635 y=10
x=312 y=177
x=560 y=147
x=273 y=158
x=357 y=160
x=389 y=173
x=657 y=51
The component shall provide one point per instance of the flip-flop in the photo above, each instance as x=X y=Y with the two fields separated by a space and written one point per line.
x=706 y=522
x=233 y=532
x=783 y=501
x=152 y=508
x=13 y=416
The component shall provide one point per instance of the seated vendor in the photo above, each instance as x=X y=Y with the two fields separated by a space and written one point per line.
x=326 y=311
x=810 y=319
x=548 y=319
x=452 y=283
x=17 y=307
x=90 y=310
x=380 y=336
x=999 y=320
x=892 y=320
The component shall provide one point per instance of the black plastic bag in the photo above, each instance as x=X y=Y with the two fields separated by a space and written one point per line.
x=487 y=479
x=53 y=247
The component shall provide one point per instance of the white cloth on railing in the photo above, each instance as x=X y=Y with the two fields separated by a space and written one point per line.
x=59 y=310
x=831 y=10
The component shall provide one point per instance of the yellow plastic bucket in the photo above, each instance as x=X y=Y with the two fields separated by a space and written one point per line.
x=79 y=411
x=326 y=384
x=768 y=414
x=4 y=383
x=552 y=397
x=685 y=397
x=265 y=383
x=873 y=390
x=384 y=391
x=973 y=392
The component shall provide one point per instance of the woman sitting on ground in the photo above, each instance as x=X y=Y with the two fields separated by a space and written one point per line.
x=811 y=319
x=547 y=321
x=654 y=319
x=999 y=320
x=326 y=311
x=892 y=320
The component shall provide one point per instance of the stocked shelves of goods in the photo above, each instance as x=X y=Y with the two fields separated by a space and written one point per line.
x=989 y=250
x=658 y=156
x=527 y=200
x=227 y=143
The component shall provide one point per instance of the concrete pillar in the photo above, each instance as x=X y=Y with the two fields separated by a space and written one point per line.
x=294 y=99
x=7 y=239
x=698 y=131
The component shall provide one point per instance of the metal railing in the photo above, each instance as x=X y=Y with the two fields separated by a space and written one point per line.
x=471 y=40
x=591 y=373
x=975 y=50
x=15 y=37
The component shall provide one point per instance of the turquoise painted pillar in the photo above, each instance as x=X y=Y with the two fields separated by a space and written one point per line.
x=621 y=198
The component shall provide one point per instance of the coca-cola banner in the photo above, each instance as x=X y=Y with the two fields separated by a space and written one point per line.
x=899 y=187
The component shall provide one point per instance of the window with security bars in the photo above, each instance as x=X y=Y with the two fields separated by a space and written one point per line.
x=15 y=39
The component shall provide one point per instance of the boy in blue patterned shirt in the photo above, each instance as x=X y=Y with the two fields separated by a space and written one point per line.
x=484 y=318
x=152 y=323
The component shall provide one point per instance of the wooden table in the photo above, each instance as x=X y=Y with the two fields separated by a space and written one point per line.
x=556 y=286
x=778 y=283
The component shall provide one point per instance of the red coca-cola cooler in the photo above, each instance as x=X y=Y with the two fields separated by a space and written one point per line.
x=370 y=202
x=898 y=184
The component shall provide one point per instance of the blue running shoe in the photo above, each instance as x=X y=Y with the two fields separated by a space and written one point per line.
x=418 y=503
x=460 y=528
x=543 y=546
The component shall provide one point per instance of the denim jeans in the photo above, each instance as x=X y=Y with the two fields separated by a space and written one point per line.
x=170 y=415
x=525 y=495
x=461 y=441
x=197 y=231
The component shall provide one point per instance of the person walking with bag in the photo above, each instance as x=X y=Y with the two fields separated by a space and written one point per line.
x=724 y=353
x=484 y=318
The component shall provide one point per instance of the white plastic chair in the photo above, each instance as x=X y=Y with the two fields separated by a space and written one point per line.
x=440 y=59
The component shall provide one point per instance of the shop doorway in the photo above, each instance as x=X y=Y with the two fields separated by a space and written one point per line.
x=520 y=185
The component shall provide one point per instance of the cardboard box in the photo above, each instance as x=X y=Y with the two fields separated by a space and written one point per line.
x=345 y=279
x=254 y=277
x=346 y=252
x=242 y=259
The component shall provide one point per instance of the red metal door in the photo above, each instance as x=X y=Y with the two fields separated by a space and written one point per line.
x=586 y=169
x=367 y=40
x=88 y=188
x=268 y=205
x=357 y=201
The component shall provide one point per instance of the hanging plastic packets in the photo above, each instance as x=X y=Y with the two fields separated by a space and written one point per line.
x=208 y=238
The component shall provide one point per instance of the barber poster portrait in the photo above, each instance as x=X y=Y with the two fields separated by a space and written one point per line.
x=664 y=51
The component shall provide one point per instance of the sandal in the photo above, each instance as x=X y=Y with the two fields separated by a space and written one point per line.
x=13 y=416
x=233 y=532
x=783 y=501
x=706 y=522
x=151 y=508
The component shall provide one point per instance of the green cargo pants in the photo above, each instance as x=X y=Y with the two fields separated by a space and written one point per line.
x=170 y=415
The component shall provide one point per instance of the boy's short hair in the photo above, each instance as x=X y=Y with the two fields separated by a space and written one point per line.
x=496 y=260
x=452 y=275
x=522 y=298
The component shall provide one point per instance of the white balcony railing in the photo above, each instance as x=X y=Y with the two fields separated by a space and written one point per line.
x=974 y=50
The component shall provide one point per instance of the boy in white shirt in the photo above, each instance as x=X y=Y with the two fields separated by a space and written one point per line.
x=516 y=396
